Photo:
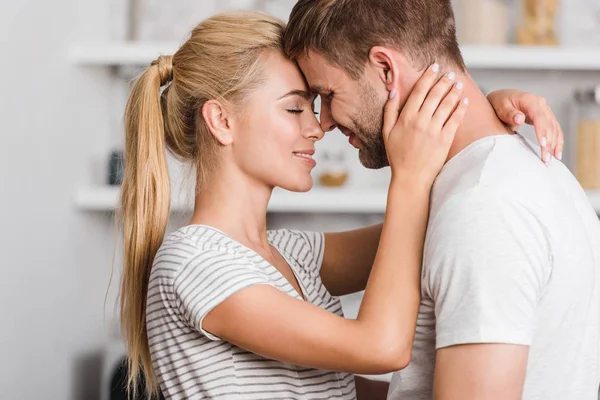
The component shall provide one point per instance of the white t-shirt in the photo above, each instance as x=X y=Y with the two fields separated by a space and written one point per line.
x=512 y=255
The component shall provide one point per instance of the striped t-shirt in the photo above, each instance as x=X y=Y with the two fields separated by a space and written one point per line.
x=197 y=268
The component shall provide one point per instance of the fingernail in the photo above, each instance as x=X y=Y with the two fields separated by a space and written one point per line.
x=519 y=119
x=559 y=156
x=466 y=100
x=459 y=86
x=544 y=142
x=547 y=157
x=435 y=67
x=451 y=76
x=393 y=93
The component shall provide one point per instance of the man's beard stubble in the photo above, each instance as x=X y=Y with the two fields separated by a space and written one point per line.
x=369 y=125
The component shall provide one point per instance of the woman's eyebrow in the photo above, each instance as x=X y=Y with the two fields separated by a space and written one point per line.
x=302 y=93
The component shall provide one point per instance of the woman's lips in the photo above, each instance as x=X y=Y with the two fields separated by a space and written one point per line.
x=307 y=158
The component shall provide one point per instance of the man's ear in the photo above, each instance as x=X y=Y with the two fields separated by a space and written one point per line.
x=384 y=60
x=216 y=117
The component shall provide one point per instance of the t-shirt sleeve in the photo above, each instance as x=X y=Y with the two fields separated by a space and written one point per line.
x=487 y=263
x=209 y=279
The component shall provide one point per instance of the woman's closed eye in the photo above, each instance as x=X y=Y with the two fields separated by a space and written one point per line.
x=300 y=111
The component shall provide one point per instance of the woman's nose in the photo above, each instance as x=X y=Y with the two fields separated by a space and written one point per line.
x=314 y=132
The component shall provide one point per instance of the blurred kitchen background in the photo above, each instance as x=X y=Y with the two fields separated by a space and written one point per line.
x=66 y=67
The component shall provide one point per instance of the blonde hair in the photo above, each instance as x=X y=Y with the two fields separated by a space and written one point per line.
x=221 y=60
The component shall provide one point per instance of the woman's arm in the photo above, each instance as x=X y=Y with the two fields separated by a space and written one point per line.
x=349 y=255
x=268 y=322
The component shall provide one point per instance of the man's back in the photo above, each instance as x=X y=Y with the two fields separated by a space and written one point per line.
x=512 y=256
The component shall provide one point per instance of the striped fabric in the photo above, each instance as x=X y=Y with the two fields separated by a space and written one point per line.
x=196 y=269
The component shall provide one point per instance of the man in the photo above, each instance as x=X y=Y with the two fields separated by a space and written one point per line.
x=510 y=285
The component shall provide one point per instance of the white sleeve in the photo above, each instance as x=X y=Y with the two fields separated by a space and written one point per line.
x=487 y=262
x=209 y=279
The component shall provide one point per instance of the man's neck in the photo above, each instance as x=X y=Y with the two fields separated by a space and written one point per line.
x=480 y=120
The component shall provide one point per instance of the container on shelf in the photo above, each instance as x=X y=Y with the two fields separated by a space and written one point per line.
x=587 y=140
x=116 y=168
x=335 y=169
x=538 y=23
x=483 y=22
x=580 y=23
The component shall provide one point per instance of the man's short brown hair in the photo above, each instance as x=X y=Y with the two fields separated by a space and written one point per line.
x=344 y=31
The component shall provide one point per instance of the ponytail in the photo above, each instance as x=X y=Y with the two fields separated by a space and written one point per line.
x=223 y=60
x=145 y=205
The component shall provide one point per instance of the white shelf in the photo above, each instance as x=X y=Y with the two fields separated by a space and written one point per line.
x=318 y=200
x=120 y=53
x=482 y=57
x=532 y=57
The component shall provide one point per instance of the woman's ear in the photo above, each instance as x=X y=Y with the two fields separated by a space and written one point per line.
x=384 y=61
x=216 y=118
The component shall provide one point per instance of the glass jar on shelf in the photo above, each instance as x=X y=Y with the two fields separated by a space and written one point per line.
x=587 y=138
x=483 y=22
x=334 y=171
x=538 y=23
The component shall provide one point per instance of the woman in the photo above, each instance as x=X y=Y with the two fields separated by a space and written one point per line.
x=223 y=308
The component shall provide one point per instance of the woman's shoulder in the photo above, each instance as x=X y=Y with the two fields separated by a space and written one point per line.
x=197 y=247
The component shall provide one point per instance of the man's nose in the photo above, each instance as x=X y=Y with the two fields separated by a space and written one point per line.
x=327 y=122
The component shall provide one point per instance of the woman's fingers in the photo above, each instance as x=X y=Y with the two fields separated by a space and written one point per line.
x=391 y=113
x=418 y=140
x=421 y=90
x=448 y=105
x=560 y=143
x=455 y=120
x=437 y=95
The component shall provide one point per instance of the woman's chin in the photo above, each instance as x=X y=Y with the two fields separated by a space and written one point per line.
x=300 y=186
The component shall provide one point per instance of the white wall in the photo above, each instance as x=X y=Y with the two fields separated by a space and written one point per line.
x=55 y=260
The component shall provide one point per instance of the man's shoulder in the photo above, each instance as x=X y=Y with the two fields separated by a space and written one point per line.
x=468 y=206
x=489 y=173
x=481 y=216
